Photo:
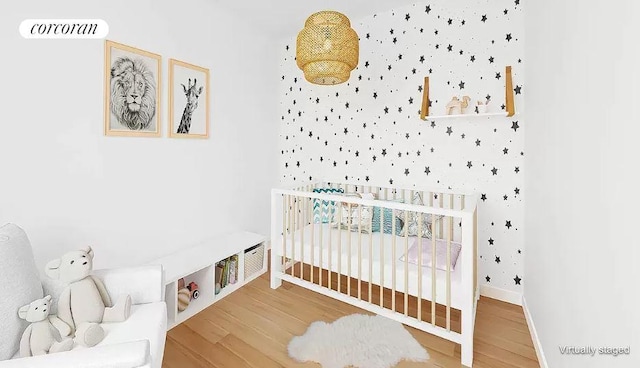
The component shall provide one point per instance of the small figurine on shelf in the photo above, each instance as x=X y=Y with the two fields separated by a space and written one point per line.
x=482 y=107
x=455 y=106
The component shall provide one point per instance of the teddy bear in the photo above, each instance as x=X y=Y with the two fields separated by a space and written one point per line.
x=85 y=302
x=45 y=333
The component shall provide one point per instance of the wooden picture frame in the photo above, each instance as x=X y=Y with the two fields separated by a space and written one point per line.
x=132 y=85
x=189 y=100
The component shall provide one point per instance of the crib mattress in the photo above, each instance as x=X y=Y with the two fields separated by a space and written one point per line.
x=381 y=262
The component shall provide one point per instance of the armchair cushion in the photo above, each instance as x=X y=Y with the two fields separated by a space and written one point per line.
x=19 y=285
x=132 y=354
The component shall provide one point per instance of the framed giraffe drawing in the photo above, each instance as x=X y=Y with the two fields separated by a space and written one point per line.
x=188 y=100
x=132 y=84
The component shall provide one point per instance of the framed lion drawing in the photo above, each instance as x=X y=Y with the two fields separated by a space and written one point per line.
x=132 y=91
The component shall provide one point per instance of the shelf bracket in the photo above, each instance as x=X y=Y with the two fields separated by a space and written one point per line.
x=425 y=100
x=511 y=108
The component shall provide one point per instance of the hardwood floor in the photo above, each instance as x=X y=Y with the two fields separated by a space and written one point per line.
x=252 y=327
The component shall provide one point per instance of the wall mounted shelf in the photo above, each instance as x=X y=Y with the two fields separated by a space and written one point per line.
x=509 y=102
x=472 y=115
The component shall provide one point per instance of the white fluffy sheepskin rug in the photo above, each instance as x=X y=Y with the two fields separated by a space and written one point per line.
x=357 y=340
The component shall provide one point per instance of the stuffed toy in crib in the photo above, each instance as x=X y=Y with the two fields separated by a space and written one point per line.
x=45 y=333
x=85 y=302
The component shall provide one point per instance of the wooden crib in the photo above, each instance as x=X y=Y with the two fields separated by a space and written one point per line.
x=326 y=237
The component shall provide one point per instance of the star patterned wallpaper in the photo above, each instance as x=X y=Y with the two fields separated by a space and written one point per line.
x=368 y=131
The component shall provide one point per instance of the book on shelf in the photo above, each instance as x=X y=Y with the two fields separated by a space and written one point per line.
x=233 y=269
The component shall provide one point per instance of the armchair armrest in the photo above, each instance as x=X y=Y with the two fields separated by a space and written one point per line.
x=125 y=355
x=144 y=283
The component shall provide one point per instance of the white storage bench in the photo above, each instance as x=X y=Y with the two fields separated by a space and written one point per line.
x=198 y=264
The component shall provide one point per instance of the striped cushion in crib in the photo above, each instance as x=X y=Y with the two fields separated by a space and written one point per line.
x=387 y=221
x=323 y=211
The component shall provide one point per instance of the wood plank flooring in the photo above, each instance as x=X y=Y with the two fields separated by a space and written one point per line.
x=252 y=327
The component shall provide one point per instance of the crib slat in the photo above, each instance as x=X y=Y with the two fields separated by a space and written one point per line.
x=441 y=203
x=299 y=213
x=350 y=222
x=321 y=250
x=313 y=249
x=393 y=263
x=381 y=255
x=419 y=266
x=433 y=269
x=331 y=213
x=293 y=234
x=370 y=251
x=360 y=252
x=285 y=212
x=340 y=249
x=386 y=194
x=406 y=263
x=449 y=235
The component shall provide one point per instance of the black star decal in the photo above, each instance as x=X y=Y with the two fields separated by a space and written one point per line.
x=469 y=164
x=391 y=31
x=427 y=9
x=506 y=11
x=450 y=21
x=483 y=197
x=491 y=59
x=418 y=153
x=484 y=18
x=494 y=171
x=384 y=152
x=433 y=124
x=407 y=17
x=508 y=224
x=488 y=278
x=287 y=47
x=395 y=40
x=310 y=134
x=517 y=170
x=389 y=67
x=386 y=110
x=505 y=197
x=514 y=126
x=346 y=105
x=517 y=90
x=410 y=100
x=517 y=279
x=346 y=131
x=509 y=37
x=477 y=143
x=498 y=75
x=461 y=85
x=435 y=31
x=449 y=131
x=368 y=36
x=505 y=151
x=450 y=48
x=422 y=59
x=391 y=181
x=366 y=64
x=491 y=241
x=519 y=251
x=375 y=95
x=473 y=58
x=517 y=190
x=406 y=172
x=374 y=158
x=497 y=259
x=317 y=100
x=427 y=170
x=463 y=22
x=419 y=88
x=400 y=57
x=357 y=153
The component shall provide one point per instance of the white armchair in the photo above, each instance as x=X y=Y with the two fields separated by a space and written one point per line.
x=137 y=342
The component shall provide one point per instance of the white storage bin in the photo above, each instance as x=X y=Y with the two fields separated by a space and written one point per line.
x=253 y=260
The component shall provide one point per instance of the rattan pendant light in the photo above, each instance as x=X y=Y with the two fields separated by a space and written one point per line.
x=327 y=48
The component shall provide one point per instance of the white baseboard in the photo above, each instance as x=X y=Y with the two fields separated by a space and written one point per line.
x=501 y=294
x=534 y=336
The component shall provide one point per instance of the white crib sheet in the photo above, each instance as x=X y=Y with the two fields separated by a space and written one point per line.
x=377 y=242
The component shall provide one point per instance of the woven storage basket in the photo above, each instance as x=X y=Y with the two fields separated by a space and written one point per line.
x=253 y=260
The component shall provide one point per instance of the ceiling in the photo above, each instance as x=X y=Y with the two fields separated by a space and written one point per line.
x=285 y=18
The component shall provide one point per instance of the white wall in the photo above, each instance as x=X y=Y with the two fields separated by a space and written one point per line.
x=411 y=145
x=582 y=180
x=133 y=199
